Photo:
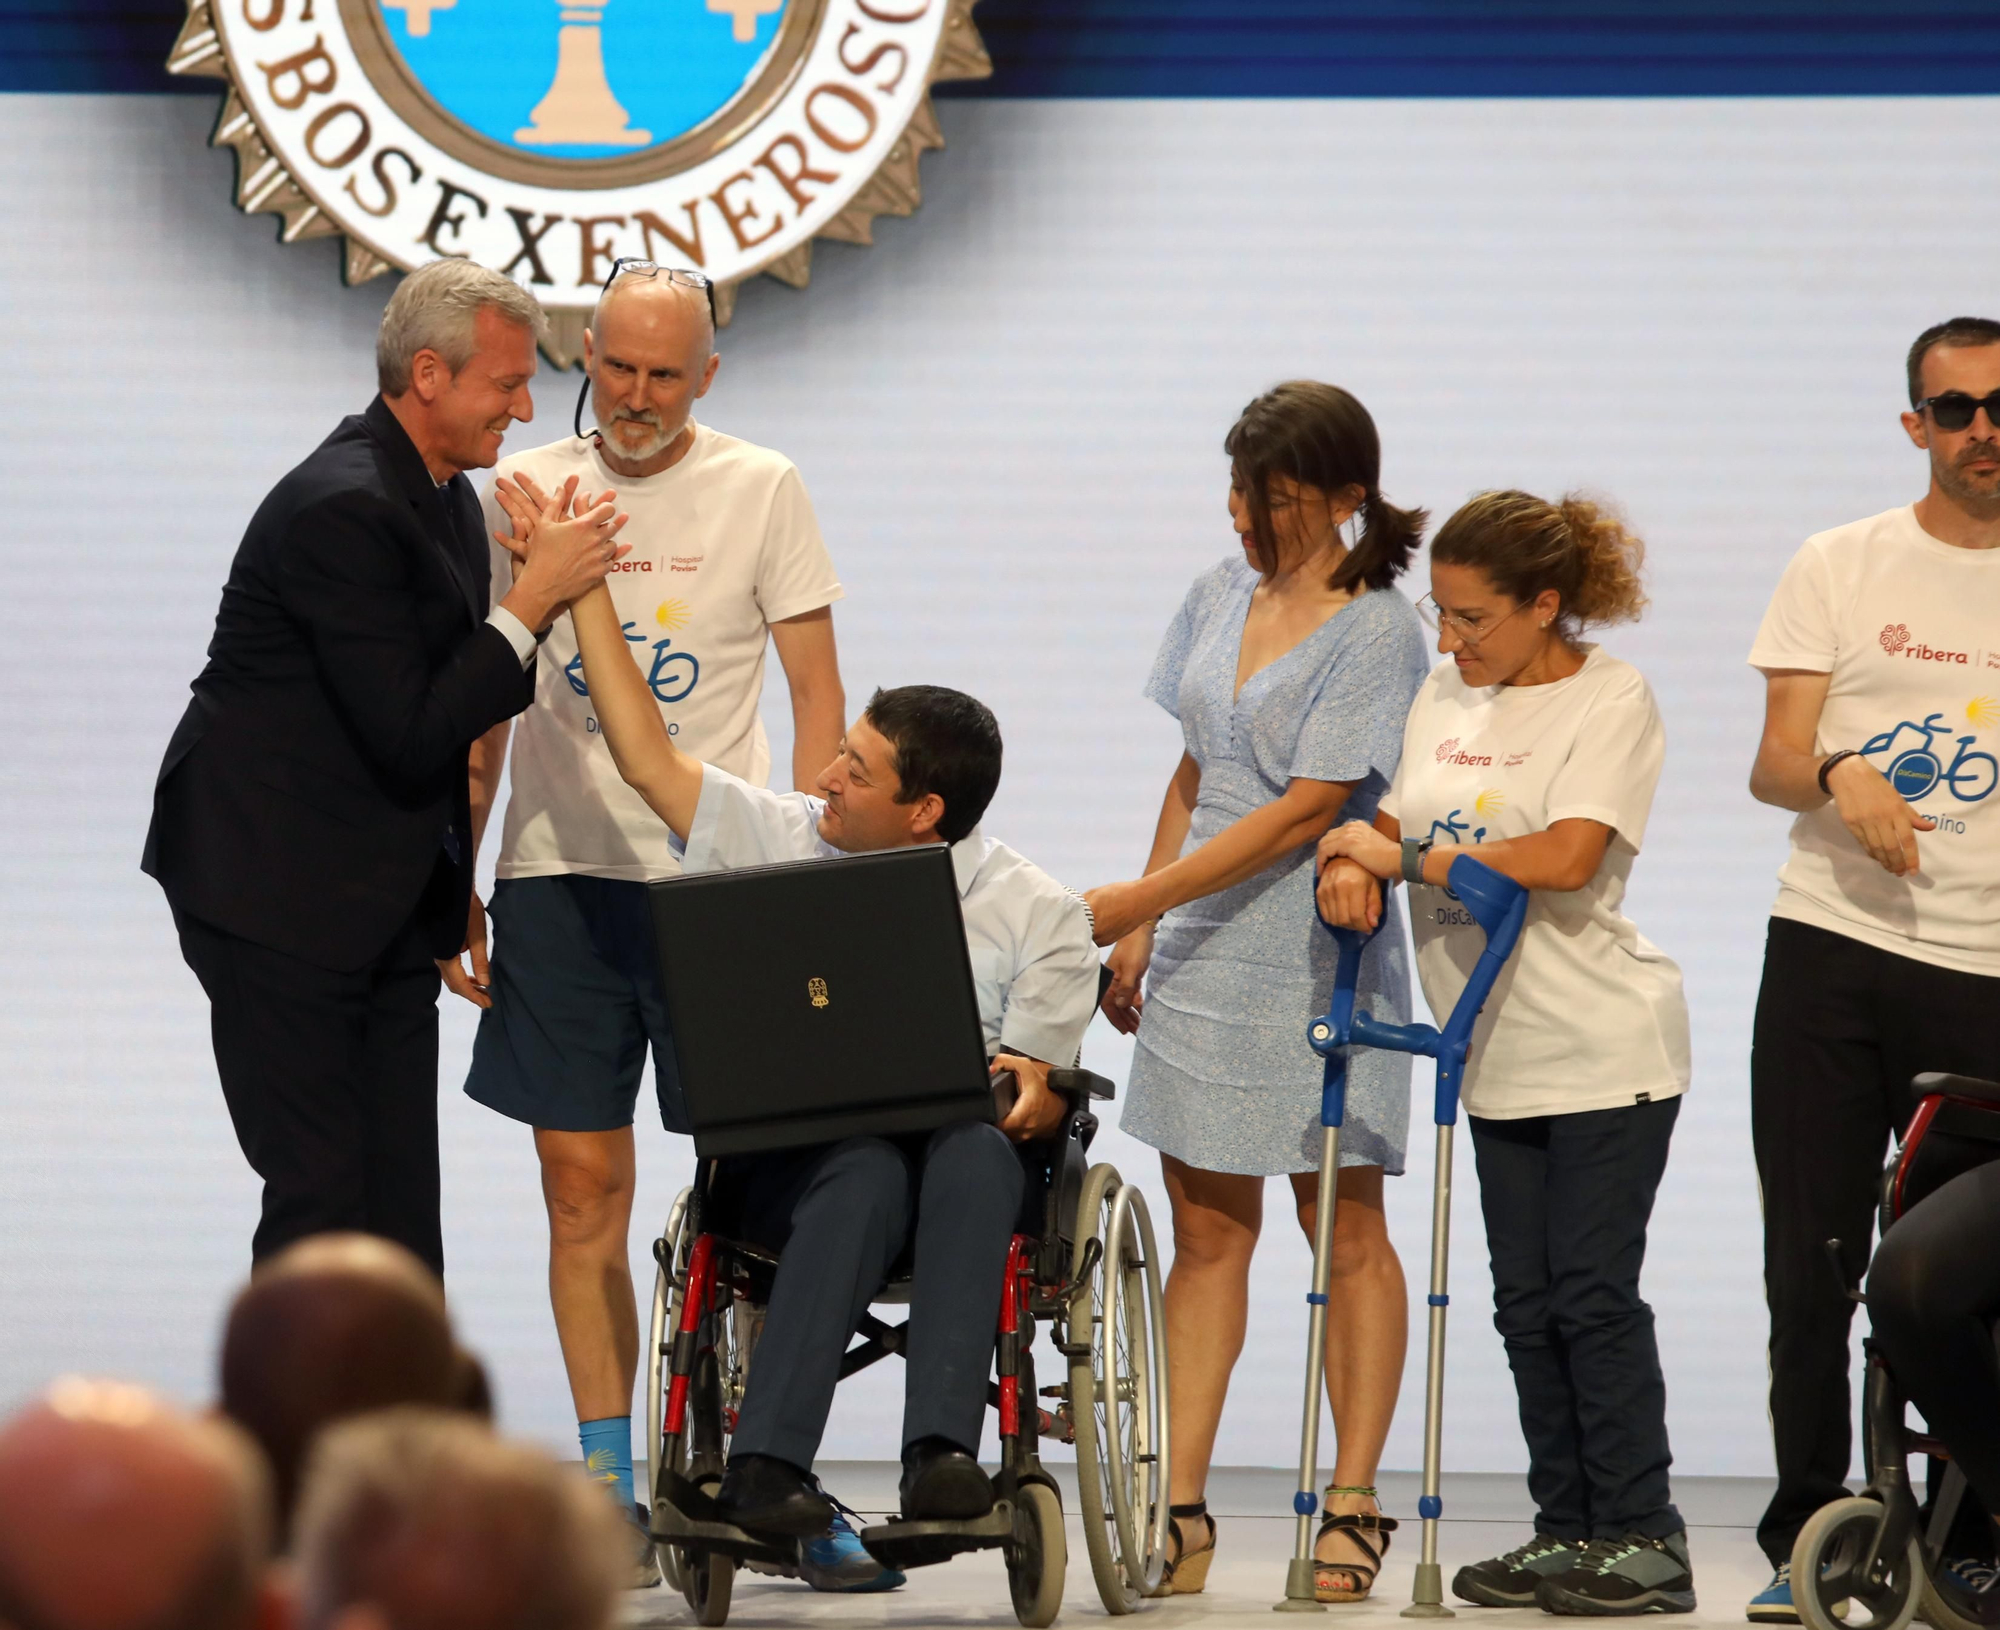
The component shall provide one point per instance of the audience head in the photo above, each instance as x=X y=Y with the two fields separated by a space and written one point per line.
x=1954 y=366
x=119 y=1512
x=1305 y=460
x=415 y=1519
x=650 y=353
x=1511 y=573
x=335 y=1326
x=919 y=766
x=455 y=357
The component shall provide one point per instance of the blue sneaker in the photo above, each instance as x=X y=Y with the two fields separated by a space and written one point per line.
x=836 y=1562
x=1773 y=1604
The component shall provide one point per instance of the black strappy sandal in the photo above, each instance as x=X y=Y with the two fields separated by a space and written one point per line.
x=1358 y=1526
x=1187 y=1573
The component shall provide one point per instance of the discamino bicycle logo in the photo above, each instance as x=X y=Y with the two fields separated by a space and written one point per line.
x=545 y=138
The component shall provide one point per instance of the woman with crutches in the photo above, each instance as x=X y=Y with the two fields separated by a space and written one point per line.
x=1539 y=753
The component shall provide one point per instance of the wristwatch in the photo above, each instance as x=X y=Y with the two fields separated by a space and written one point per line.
x=1414 y=850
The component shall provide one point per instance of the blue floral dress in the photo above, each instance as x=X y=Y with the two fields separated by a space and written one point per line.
x=1222 y=1077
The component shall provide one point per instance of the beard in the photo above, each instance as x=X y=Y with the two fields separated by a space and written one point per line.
x=660 y=435
x=1982 y=489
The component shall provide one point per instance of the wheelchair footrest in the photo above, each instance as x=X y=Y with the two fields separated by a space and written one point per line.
x=685 y=1517
x=920 y=1544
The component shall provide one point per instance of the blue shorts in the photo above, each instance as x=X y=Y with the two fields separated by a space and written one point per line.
x=576 y=1001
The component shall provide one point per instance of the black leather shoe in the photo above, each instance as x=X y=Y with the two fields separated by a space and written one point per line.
x=941 y=1482
x=771 y=1496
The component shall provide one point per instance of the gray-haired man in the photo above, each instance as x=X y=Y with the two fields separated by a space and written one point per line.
x=310 y=822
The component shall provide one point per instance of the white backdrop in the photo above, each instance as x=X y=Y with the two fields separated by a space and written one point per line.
x=1009 y=414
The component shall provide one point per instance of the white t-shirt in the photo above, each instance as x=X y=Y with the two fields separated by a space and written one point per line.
x=1587 y=1014
x=1034 y=965
x=724 y=544
x=1900 y=622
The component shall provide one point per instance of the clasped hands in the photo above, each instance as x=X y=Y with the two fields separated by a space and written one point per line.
x=563 y=544
x=1352 y=862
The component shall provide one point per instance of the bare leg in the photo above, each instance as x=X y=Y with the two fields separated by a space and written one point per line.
x=1217 y=1216
x=1366 y=1333
x=587 y=1180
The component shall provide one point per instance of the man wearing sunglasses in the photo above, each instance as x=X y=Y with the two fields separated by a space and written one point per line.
x=1881 y=658
x=726 y=560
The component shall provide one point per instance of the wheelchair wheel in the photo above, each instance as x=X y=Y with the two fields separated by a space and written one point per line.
x=1038 y=1558
x=1117 y=1392
x=1828 y=1587
x=1938 y=1613
x=669 y=1278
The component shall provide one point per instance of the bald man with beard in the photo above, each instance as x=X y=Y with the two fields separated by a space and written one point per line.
x=119 y=1512
x=336 y=1326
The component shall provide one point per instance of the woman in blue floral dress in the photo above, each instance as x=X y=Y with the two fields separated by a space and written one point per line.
x=1291 y=667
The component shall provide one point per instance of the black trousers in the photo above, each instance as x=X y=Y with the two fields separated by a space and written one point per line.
x=1933 y=1295
x=842 y=1214
x=1841 y=1028
x=331 y=1081
x=1566 y=1200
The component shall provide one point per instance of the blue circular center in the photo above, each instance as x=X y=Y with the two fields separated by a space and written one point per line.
x=583 y=80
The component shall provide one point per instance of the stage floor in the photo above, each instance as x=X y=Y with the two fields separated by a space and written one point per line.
x=1484 y=1515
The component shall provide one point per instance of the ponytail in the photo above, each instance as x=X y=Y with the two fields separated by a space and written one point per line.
x=1389 y=537
x=1321 y=437
x=1526 y=545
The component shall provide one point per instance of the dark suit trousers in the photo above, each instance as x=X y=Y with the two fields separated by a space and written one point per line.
x=331 y=1081
x=842 y=1214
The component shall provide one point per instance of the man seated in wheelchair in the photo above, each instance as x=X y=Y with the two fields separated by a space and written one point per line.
x=919 y=766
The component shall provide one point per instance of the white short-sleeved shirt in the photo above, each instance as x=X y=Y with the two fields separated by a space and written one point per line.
x=1033 y=961
x=1901 y=623
x=1587 y=1014
x=724 y=544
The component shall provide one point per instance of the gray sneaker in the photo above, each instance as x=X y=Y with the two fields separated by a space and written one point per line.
x=1619 y=1577
x=645 y=1559
x=1510 y=1580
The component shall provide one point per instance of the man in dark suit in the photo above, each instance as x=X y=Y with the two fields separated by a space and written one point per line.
x=310 y=823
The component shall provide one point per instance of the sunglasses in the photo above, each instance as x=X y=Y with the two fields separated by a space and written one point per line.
x=625 y=266
x=1954 y=410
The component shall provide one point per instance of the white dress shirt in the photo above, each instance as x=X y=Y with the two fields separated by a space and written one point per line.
x=1033 y=961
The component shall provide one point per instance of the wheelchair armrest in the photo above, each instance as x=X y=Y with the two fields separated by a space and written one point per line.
x=1933 y=1085
x=1081 y=1084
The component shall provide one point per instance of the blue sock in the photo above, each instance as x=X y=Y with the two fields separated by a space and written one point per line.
x=607 y=1456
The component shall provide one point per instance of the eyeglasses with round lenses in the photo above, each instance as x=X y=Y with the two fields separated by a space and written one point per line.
x=1472 y=633
x=627 y=266
x=1954 y=410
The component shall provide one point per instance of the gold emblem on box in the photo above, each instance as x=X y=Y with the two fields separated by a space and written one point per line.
x=816 y=989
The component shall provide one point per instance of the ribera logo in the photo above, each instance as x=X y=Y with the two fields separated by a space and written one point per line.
x=1448 y=753
x=1896 y=641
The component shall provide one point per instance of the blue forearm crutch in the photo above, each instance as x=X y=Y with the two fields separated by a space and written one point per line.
x=1499 y=905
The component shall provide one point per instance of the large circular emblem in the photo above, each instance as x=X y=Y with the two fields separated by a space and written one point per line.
x=546 y=138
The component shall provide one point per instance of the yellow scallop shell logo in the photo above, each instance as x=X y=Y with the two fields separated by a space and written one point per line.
x=672 y=614
x=1983 y=711
x=1490 y=802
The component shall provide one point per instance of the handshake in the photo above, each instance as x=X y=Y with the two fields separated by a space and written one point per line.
x=563 y=544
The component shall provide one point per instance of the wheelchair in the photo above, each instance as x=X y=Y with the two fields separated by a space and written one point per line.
x=1082 y=1262
x=1870 y=1561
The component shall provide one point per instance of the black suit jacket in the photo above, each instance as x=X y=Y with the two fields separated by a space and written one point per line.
x=314 y=798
